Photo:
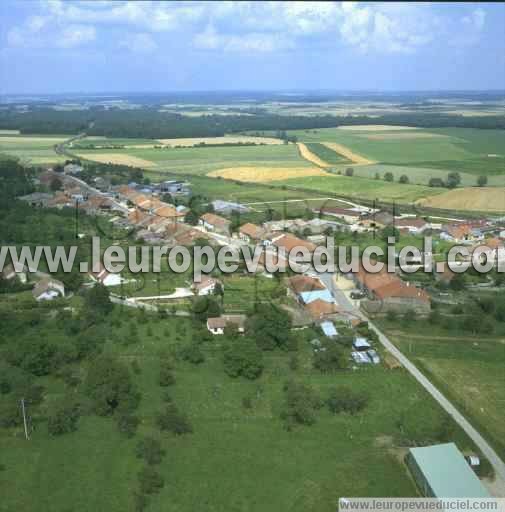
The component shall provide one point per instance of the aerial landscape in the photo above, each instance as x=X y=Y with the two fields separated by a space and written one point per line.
x=252 y=255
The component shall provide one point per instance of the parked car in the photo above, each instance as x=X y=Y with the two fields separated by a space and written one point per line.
x=357 y=295
x=374 y=357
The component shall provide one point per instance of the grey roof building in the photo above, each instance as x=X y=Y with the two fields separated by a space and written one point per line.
x=441 y=471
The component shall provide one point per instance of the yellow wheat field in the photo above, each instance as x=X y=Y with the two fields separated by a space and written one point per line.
x=265 y=174
x=117 y=158
x=404 y=135
x=347 y=153
x=490 y=199
x=311 y=157
x=192 y=141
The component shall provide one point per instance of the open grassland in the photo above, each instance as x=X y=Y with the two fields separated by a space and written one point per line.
x=363 y=188
x=236 y=458
x=266 y=174
x=468 y=369
x=36 y=149
x=202 y=160
x=375 y=128
x=477 y=198
x=452 y=149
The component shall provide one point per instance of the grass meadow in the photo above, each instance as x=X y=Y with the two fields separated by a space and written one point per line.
x=33 y=149
x=236 y=459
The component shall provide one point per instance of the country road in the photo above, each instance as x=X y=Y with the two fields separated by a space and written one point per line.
x=486 y=449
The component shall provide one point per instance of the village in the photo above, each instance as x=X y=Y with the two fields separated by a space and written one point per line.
x=161 y=213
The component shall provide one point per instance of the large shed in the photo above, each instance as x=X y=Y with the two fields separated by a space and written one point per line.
x=441 y=471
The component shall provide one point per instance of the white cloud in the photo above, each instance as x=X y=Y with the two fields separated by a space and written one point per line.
x=209 y=39
x=469 y=30
x=44 y=32
x=139 y=43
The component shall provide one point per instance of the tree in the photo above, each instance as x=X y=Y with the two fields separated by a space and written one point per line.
x=191 y=218
x=172 y=420
x=330 y=357
x=205 y=307
x=436 y=182
x=192 y=353
x=109 y=385
x=56 y=184
x=63 y=419
x=270 y=326
x=243 y=358
x=389 y=231
x=98 y=299
x=344 y=399
x=127 y=424
x=150 y=481
x=403 y=179
x=166 y=376
x=388 y=176
x=458 y=282
x=300 y=404
x=453 y=179
x=150 y=450
x=482 y=181
x=349 y=171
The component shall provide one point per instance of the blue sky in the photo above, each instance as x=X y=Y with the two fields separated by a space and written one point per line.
x=50 y=46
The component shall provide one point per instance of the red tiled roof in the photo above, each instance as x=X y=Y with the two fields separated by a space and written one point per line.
x=301 y=283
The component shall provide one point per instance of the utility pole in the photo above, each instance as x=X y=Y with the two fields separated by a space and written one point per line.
x=373 y=214
x=24 y=418
x=76 y=219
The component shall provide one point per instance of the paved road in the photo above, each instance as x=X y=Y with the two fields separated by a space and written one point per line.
x=481 y=443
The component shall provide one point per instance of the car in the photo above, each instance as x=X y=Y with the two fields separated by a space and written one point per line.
x=373 y=356
x=357 y=295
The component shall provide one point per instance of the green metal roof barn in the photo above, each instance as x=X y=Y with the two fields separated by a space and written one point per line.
x=441 y=471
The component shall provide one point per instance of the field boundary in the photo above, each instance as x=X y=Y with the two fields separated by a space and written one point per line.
x=344 y=151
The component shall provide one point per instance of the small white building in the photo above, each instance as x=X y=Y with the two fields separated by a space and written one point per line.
x=206 y=286
x=218 y=324
x=103 y=276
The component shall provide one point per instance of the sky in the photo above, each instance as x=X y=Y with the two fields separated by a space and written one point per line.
x=54 y=46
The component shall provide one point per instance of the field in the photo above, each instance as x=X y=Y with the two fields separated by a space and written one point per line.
x=202 y=160
x=468 y=369
x=35 y=149
x=266 y=174
x=236 y=459
x=478 y=199
x=326 y=155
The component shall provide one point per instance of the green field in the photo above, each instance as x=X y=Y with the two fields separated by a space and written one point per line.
x=236 y=459
x=467 y=369
x=34 y=149
x=202 y=160
x=326 y=154
x=363 y=188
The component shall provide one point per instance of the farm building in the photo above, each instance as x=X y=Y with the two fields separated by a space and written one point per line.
x=227 y=207
x=217 y=325
x=48 y=289
x=441 y=471
x=329 y=329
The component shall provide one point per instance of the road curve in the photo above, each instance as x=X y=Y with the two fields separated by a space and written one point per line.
x=486 y=449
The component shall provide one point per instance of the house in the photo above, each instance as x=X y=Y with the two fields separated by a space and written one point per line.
x=301 y=283
x=9 y=273
x=48 y=289
x=413 y=225
x=490 y=247
x=250 y=232
x=175 y=187
x=218 y=324
x=169 y=212
x=329 y=329
x=441 y=471
x=288 y=242
x=206 y=286
x=387 y=292
x=215 y=223
x=461 y=232
x=378 y=219
x=320 y=309
x=103 y=276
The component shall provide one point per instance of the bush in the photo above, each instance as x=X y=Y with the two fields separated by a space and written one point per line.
x=192 y=353
x=150 y=450
x=344 y=399
x=166 y=377
x=330 y=357
x=64 y=418
x=388 y=176
x=403 y=179
x=349 y=171
x=243 y=358
x=171 y=420
x=300 y=405
x=150 y=481
x=127 y=424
